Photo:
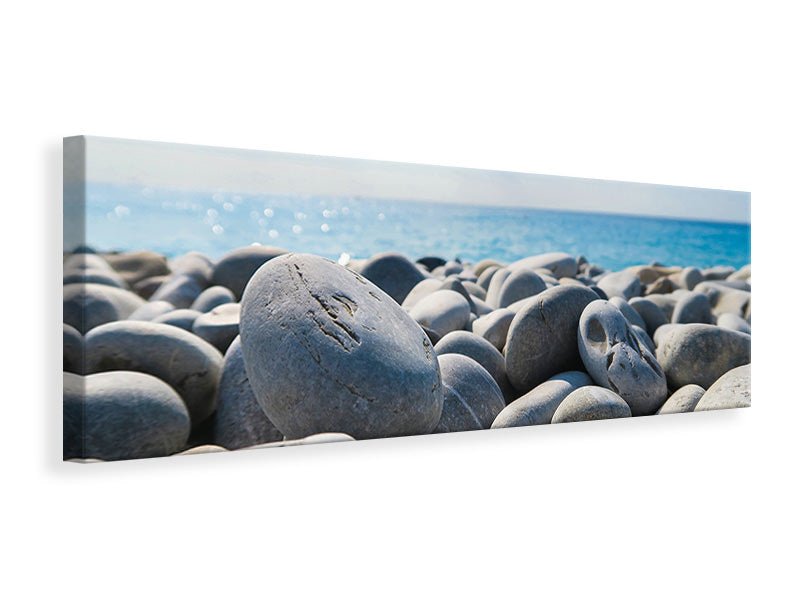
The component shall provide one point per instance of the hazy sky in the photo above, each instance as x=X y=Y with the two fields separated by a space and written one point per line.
x=208 y=168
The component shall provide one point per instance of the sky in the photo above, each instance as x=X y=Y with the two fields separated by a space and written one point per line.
x=213 y=169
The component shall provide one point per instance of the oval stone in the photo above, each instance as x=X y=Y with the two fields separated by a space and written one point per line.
x=538 y=406
x=393 y=273
x=520 y=284
x=219 y=326
x=472 y=399
x=138 y=265
x=481 y=351
x=443 y=311
x=183 y=318
x=650 y=313
x=212 y=297
x=327 y=350
x=591 y=403
x=622 y=283
x=732 y=390
x=179 y=290
x=560 y=264
x=151 y=310
x=235 y=269
x=418 y=292
x=733 y=322
x=693 y=307
x=88 y=305
x=683 y=400
x=493 y=327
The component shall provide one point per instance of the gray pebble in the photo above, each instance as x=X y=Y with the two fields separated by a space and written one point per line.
x=151 y=310
x=485 y=278
x=734 y=322
x=472 y=399
x=538 y=406
x=136 y=266
x=627 y=310
x=483 y=265
x=481 y=351
x=195 y=265
x=650 y=313
x=622 y=283
x=100 y=276
x=732 y=390
x=493 y=327
x=520 y=284
x=419 y=291
x=147 y=287
x=559 y=263
x=683 y=400
x=693 y=307
x=235 y=269
x=443 y=311
x=183 y=318
x=212 y=297
x=393 y=273
x=179 y=290
x=219 y=326
x=88 y=305
x=591 y=403
x=689 y=278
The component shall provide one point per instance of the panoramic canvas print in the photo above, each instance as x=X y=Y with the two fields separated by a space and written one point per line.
x=217 y=299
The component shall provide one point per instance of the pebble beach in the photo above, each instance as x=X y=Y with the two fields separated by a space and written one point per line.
x=265 y=347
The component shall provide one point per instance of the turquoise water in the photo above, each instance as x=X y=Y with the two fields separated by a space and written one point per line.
x=172 y=222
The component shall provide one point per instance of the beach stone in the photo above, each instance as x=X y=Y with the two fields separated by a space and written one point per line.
x=485 y=278
x=423 y=288
x=327 y=350
x=495 y=287
x=393 y=273
x=474 y=289
x=452 y=267
x=662 y=285
x=694 y=307
x=195 y=265
x=79 y=262
x=147 y=287
x=235 y=269
x=482 y=352
x=480 y=308
x=493 y=327
x=73 y=350
x=646 y=274
x=662 y=332
x=689 y=278
x=621 y=283
x=733 y=322
x=133 y=267
x=484 y=264
x=100 y=276
x=472 y=399
x=742 y=274
x=666 y=302
x=560 y=264
x=317 y=438
x=431 y=262
x=725 y=299
x=538 y=406
x=182 y=317
x=543 y=336
x=650 y=313
x=520 y=284
x=683 y=400
x=591 y=403
x=443 y=311
x=179 y=290
x=151 y=310
x=616 y=358
x=453 y=283
x=628 y=312
x=701 y=354
x=731 y=390
x=219 y=326
x=239 y=421
x=88 y=305
x=122 y=415
x=718 y=273
x=189 y=364
x=212 y=297
x=593 y=270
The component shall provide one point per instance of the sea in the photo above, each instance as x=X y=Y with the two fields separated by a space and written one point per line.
x=125 y=217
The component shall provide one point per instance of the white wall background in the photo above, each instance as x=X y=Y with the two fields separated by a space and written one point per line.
x=686 y=93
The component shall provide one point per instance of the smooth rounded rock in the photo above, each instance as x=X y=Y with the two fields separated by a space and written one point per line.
x=235 y=269
x=665 y=302
x=239 y=421
x=538 y=406
x=122 y=415
x=725 y=299
x=453 y=283
x=393 y=273
x=543 y=336
x=731 y=390
x=147 y=287
x=100 y=276
x=327 y=350
x=719 y=272
x=79 y=261
x=701 y=354
x=88 y=305
x=493 y=327
x=591 y=403
x=622 y=283
x=693 y=307
x=151 y=310
x=431 y=262
x=481 y=351
x=133 y=267
x=650 y=313
x=472 y=399
x=689 y=278
x=560 y=264
x=189 y=364
x=418 y=292
x=484 y=264
x=194 y=264
x=733 y=322
x=485 y=278
x=179 y=290
x=616 y=358
x=682 y=401
x=520 y=284
x=183 y=318
x=474 y=289
x=443 y=311
x=212 y=297
x=219 y=326
x=72 y=350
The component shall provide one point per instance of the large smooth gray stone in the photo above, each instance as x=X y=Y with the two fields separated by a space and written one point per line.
x=72 y=350
x=701 y=354
x=327 y=350
x=418 y=292
x=393 y=273
x=495 y=286
x=190 y=365
x=617 y=360
x=726 y=299
x=520 y=284
x=683 y=400
x=183 y=318
x=734 y=322
x=138 y=265
x=543 y=336
x=732 y=390
x=179 y=290
x=472 y=399
x=454 y=283
x=101 y=276
x=122 y=415
x=212 y=297
x=482 y=352
x=650 y=313
x=235 y=269
x=662 y=332
x=622 y=283
x=443 y=311
x=239 y=421
x=538 y=406
x=486 y=276
x=493 y=327
x=195 y=265
x=151 y=310
x=689 y=278
x=560 y=264
x=694 y=307
x=219 y=326
x=591 y=403
x=88 y=305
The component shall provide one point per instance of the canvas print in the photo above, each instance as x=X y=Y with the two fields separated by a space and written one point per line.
x=218 y=299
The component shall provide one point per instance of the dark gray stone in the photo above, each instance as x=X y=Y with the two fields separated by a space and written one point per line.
x=650 y=313
x=543 y=336
x=431 y=262
x=239 y=421
x=683 y=400
x=591 y=403
x=179 y=290
x=480 y=308
x=122 y=415
x=482 y=352
x=183 y=318
x=622 y=283
x=443 y=311
x=327 y=350
x=235 y=269
x=219 y=326
x=73 y=350
x=644 y=338
x=559 y=263
x=472 y=399
x=151 y=310
x=493 y=327
x=212 y=297
x=190 y=365
x=732 y=390
x=538 y=406
x=88 y=305
x=693 y=307
x=616 y=358
x=701 y=354
x=393 y=273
